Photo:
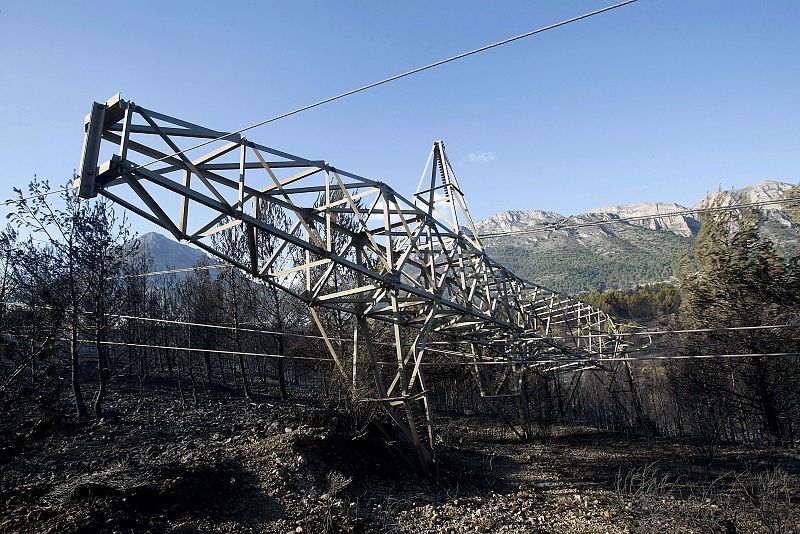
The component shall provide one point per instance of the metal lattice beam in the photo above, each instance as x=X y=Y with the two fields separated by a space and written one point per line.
x=349 y=244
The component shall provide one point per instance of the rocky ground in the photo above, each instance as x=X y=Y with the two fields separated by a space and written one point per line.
x=272 y=466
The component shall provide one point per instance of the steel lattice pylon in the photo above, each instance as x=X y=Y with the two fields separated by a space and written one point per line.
x=415 y=266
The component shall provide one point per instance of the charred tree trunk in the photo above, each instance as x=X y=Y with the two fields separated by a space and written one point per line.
x=100 y=333
x=75 y=378
x=769 y=407
x=281 y=369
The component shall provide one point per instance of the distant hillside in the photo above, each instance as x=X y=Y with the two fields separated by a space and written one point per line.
x=683 y=225
x=618 y=255
x=167 y=253
x=778 y=226
x=624 y=254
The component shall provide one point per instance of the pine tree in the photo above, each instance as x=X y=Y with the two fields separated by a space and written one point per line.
x=741 y=281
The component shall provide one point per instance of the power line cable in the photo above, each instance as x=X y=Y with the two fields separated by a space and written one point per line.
x=311 y=336
x=206 y=325
x=197 y=349
x=599 y=358
x=213 y=351
x=616 y=359
x=172 y=271
x=390 y=79
x=226 y=327
x=467 y=363
x=701 y=330
x=596 y=360
x=579 y=336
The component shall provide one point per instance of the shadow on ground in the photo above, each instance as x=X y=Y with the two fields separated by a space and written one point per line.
x=173 y=492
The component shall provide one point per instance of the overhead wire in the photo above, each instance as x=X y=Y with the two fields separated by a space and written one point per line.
x=576 y=336
x=194 y=349
x=598 y=358
x=570 y=361
x=390 y=79
x=226 y=327
x=173 y=271
x=476 y=362
x=212 y=351
x=618 y=359
x=700 y=330
x=212 y=326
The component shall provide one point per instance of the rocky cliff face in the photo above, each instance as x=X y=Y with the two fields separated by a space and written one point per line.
x=167 y=253
x=760 y=192
x=581 y=258
x=621 y=254
x=683 y=225
x=515 y=220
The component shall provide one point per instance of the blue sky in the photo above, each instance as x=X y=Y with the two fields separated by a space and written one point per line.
x=659 y=100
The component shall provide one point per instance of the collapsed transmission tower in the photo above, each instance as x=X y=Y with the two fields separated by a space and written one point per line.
x=413 y=267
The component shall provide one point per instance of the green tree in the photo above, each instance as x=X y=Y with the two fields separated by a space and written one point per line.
x=59 y=228
x=82 y=251
x=104 y=248
x=741 y=281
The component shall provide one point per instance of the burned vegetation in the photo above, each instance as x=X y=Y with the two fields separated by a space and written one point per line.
x=208 y=401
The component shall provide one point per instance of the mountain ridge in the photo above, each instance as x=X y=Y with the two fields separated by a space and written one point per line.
x=166 y=253
x=684 y=225
x=579 y=259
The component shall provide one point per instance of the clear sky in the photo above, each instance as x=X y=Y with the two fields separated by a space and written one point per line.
x=659 y=100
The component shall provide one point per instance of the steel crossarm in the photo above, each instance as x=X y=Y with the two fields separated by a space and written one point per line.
x=340 y=242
